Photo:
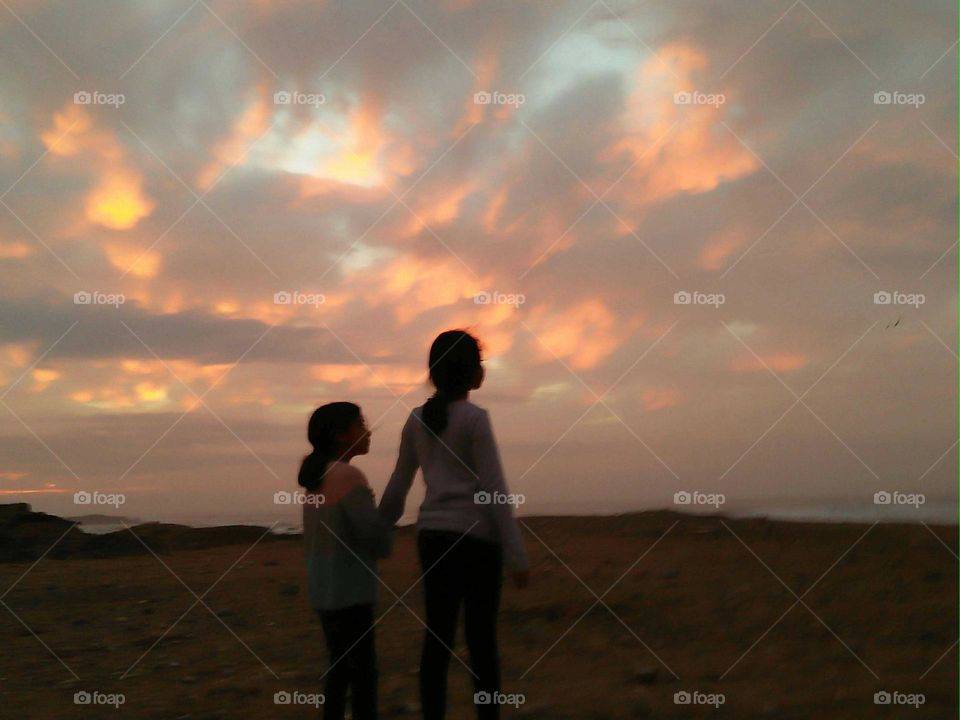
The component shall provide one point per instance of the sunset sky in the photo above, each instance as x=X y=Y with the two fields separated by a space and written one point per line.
x=783 y=162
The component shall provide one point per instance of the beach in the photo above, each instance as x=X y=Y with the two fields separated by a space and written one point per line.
x=645 y=615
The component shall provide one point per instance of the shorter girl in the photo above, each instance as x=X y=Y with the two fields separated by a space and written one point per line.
x=343 y=536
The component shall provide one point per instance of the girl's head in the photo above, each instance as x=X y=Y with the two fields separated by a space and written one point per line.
x=455 y=370
x=336 y=431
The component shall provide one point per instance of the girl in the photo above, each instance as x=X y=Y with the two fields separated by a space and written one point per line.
x=465 y=530
x=343 y=536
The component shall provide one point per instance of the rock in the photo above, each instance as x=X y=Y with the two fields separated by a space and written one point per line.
x=646 y=676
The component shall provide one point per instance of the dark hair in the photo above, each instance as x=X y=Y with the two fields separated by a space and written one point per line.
x=454 y=362
x=325 y=424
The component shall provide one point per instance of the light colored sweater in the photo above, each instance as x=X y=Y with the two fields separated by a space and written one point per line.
x=343 y=536
x=465 y=487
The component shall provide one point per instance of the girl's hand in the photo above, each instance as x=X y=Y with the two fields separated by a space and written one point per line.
x=521 y=578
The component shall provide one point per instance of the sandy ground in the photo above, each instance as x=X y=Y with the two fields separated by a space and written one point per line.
x=785 y=620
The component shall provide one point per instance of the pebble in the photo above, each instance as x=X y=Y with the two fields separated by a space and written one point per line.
x=646 y=676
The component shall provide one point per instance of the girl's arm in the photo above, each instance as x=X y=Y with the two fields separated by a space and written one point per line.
x=489 y=470
x=395 y=496
x=367 y=529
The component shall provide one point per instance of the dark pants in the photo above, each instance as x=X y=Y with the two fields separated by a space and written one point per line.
x=353 y=662
x=470 y=573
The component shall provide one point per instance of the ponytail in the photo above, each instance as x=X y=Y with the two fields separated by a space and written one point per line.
x=435 y=413
x=311 y=470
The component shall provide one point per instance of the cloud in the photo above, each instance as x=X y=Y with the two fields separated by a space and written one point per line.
x=597 y=198
x=117 y=200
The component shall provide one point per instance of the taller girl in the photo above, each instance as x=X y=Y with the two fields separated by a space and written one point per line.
x=466 y=530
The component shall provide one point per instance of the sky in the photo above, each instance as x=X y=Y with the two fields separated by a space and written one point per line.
x=710 y=249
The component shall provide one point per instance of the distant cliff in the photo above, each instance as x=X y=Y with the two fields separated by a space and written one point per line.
x=26 y=535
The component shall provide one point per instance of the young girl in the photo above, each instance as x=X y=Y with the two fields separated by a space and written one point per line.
x=344 y=536
x=465 y=530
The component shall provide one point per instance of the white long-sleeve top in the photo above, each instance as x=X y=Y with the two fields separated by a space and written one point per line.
x=465 y=487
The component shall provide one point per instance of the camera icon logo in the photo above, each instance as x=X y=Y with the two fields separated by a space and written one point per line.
x=282 y=97
x=82 y=497
x=282 y=497
x=882 y=298
x=482 y=698
x=682 y=98
x=82 y=298
x=682 y=498
x=481 y=498
x=482 y=298
x=282 y=697
x=482 y=98
x=682 y=297
x=82 y=98
x=682 y=698
x=282 y=298
x=882 y=97
x=882 y=698
x=882 y=498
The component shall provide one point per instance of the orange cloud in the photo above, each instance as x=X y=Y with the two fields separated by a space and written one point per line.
x=146 y=384
x=715 y=255
x=698 y=154
x=412 y=285
x=362 y=377
x=48 y=490
x=14 y=249
x=43 y=377
x=357 y=162
x=439 y=207
x=117 y=200
x=148 y=392
x=778 y=362
x=232 y=149
x=139 y=263
x=583 y=335
x=485 y=68
x=660 y=398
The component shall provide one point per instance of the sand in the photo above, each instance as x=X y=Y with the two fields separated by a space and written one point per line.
x=689 y=604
